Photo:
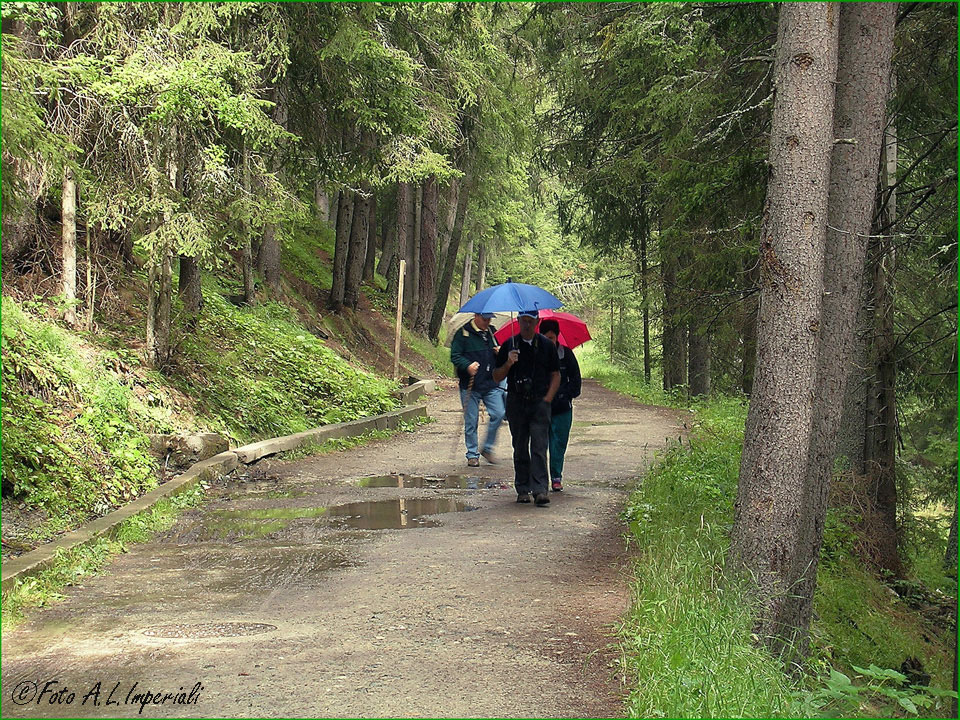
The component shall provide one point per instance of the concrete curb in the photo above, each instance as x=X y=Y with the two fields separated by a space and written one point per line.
x=414 y=392
x=41 y=558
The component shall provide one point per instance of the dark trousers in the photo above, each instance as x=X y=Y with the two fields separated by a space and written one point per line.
x=530 y=429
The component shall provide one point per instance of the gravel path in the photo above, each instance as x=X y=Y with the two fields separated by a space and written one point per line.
x=280 y=598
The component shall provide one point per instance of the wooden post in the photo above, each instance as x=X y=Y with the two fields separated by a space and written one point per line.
x=396 y=340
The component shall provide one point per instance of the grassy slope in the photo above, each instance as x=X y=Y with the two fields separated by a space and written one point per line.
x=77 y=406
x=687 y=645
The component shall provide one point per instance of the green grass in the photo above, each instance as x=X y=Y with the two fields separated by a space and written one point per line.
x=71 y=566
x=594 y=363
x=686 y=643
x=73 y=445
x=258 y=373
x=299 y=254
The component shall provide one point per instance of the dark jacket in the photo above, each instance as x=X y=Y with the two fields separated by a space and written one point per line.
x=470 y=345
x=570 y=382
x=529 y=378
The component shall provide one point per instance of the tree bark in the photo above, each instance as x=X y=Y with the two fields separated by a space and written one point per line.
x=268 y=257
x=751 y=306
x=414 y=258
x=407 y=213
x=428 y=254
x=400 y=235
x=247 y=261
x=672 y=350
x=388 y=214
x=341 y=250
x=467 y=272
x=357 y=252
x=863 y=73
x=699 y=358
x=321 y=200
x=446 y=276
x=190 y=290
x=69 y=246
x=766 y=539
x=446 y=233
x=371 y=258
x=644 y=234
x=482 y=267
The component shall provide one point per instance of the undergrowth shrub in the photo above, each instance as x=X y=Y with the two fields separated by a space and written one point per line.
x=261 y=374
x=70 y=445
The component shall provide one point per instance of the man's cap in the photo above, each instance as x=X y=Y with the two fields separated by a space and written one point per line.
x=487 y=316
x=529 y=313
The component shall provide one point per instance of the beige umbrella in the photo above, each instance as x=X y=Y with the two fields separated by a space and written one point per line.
x=458 y=320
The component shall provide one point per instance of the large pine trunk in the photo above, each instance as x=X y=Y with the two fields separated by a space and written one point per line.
x=766 y=539
x=467 y=275
x=482 y=267
x=190 y=290
x=341 y=250
x=863 y=72
x=388 y=211
x=446 y=275
x=268 y=258
x=406 y=214
x=69 y=246
x=699 y=359
x=371 y=257
x=357 y=252
x=751 y=306
x=247 y=253
x=644 y=234
x=413 y=261
x=400 y=241
x=321 y=200
x=672 y=344
x=428 y=254
x=450 y=218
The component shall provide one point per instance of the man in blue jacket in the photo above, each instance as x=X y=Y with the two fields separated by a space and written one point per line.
x=473 y=354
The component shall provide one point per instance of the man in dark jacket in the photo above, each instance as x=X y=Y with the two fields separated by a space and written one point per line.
x=561 y=410
x=530 y=364
x=473 y=354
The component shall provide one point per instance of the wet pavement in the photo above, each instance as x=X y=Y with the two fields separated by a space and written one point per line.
x=296 y=589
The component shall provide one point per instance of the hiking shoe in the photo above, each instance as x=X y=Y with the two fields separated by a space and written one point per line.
x=557 y=486
x=473 y=462
x=488 y=456
x=523 y=497
x=542 y=499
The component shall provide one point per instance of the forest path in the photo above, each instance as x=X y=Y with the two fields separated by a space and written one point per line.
x=504 y=610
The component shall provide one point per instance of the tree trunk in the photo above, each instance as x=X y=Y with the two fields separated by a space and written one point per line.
x=446 y=233
x=357 y=251
x=190 y=290
x=428 y=254
x=766 y=537
x=247 y=262
x=69 y=246
x=644 y=234
x=335 y=208
x=414 y=261
x=321 y=200
x=407 y=212
x=388 y=214
x=672 y=350
x=699 y=357
x=341 y=250
x=400 y=234
x=482 y=267
x=371 y=259
x=881 y=441
x=467 y=272
x=863 y=72
x=268 y=259
x=446 y=275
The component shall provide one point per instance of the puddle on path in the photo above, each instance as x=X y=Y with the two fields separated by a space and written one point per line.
x=449 y=482
x=398 y=514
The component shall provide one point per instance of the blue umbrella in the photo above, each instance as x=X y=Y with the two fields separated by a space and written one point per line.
x=511 y=297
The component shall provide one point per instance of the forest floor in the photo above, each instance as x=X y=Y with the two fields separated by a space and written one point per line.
x=488 y=608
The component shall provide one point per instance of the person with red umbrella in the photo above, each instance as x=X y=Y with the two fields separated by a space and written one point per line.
x=561 y=409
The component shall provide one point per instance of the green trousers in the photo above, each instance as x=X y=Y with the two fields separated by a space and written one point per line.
x=559 y=435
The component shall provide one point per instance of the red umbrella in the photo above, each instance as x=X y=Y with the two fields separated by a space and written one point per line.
x=573 y=330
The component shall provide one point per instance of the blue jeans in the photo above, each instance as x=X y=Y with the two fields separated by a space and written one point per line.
x=493 y=400
x=559 y=436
